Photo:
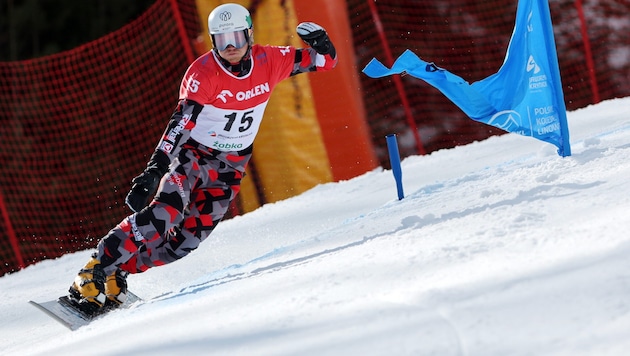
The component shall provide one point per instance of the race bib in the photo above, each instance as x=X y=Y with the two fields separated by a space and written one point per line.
x=228 y=129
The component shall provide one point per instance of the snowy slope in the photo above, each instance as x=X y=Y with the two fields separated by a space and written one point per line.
x=499 y=247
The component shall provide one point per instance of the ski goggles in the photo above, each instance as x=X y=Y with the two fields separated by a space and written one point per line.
x=237 y=39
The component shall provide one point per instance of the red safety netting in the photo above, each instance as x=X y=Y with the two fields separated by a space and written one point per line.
x=76 y=126
x=470 y=38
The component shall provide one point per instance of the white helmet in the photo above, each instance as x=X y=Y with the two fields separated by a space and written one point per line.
x=230 y=24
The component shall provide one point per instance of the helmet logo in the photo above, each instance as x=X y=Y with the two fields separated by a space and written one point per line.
x=225 y=15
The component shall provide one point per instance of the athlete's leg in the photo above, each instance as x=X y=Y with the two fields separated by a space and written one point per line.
x=211 y=201
x=166 y=211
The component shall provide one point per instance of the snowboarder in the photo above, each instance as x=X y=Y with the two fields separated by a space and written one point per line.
x=201 y=157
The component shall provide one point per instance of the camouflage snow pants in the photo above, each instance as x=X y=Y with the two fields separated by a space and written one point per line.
x=191 y=200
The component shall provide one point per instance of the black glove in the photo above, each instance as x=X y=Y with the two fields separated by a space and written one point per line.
x=145 y=185
x=316 y=37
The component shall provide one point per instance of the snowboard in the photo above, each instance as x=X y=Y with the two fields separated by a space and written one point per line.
x=64 y=310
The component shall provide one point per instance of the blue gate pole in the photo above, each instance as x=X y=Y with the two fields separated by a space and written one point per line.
x=394 y=160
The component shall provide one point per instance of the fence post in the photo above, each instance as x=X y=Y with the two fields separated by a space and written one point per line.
x=12 y=238
x=186 y=42
x=397 y=81
x=587 y=52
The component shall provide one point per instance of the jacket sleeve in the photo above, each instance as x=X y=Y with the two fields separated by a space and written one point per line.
x=308 y=60
x=176 y=134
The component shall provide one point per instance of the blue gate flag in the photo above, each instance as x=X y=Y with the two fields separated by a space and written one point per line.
x=394 y=160
x=525 y=96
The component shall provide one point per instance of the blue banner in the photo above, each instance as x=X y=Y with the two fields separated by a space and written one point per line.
x=525 y=96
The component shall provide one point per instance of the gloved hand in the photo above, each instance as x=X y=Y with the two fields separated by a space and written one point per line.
x=144 y=186
x=316 y=37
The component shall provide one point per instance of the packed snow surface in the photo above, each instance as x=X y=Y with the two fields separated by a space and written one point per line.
x=499 y=247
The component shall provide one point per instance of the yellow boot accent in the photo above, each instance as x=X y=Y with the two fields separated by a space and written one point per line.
x=89 y=285
x=116 y=287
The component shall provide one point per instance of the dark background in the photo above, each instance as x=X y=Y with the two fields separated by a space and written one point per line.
x=36 y=28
